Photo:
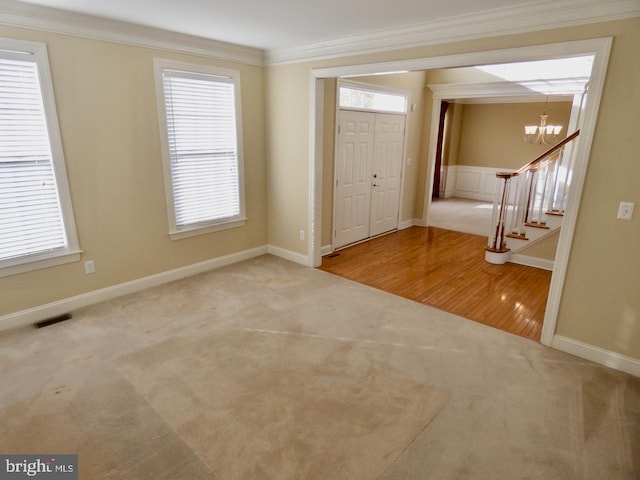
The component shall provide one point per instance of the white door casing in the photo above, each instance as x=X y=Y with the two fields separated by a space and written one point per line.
x=354 y=161
x=386 y=173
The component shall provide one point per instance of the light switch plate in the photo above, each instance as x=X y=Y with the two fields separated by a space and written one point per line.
x=625 y=210
x=89 y=267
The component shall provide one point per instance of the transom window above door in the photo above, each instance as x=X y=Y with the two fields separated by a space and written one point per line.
x=362 y=98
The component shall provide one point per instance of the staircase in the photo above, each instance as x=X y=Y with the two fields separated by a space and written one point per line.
x=529 y=203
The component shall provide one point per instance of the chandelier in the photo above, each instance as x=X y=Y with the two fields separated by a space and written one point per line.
x=542 y=134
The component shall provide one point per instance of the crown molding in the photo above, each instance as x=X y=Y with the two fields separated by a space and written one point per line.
x=530 y=17
x=534 y=89
x=541 y=99
x=17 y=14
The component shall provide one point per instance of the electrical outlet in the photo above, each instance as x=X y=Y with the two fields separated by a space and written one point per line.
x=625 y=210
x=301 y=234
x=89 y=267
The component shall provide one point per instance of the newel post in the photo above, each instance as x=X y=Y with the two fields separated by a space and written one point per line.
x=496 y=251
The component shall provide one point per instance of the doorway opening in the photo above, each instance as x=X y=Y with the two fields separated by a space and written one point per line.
x=599 y=48
x=368 y=160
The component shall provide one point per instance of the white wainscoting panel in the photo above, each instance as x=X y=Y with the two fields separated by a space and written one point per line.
x=448 y=181
x=475 y=183
x=469 y=182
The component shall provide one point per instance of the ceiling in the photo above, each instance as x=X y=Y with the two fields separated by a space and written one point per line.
x=279 y=24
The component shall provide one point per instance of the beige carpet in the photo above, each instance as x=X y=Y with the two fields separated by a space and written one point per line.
x=257 y=404
x=461 y=215
x=269 y=370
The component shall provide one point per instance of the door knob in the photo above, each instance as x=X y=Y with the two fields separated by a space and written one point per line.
x=375 y=184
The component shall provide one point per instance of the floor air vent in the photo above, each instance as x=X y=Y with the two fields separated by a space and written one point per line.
x=51 y=321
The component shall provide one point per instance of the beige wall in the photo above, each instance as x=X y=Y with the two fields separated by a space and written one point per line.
x=287 y=126
x=492 y=134
x=545 y=248
x=106 y=105
x=413 y=83
x=423 y=164
x=599 y=305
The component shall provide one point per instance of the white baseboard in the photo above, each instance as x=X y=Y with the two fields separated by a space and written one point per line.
x=289 y=255
x=49 y=310
x=598 y=355
x=532 y=261
x=326 y=250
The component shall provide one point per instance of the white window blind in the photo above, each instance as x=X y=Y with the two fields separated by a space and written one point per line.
x=202 y=138
x=31 y=219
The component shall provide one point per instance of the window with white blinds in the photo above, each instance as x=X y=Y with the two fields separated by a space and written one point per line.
x=36 y=221
x=199 y=116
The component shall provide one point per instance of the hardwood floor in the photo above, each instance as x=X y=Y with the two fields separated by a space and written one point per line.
x=446 y=270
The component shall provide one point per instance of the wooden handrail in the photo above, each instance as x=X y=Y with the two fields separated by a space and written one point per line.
x=538 y=159
x=553 y=149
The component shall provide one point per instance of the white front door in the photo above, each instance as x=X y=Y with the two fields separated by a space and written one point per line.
x=367 y=175
x=387 y=161
x=353 y=177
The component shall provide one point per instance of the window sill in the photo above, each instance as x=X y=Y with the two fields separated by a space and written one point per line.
x=203 y=230
x=38 y=262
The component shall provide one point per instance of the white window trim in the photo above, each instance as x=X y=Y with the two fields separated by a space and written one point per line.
x=72 y=251
x=175 y=232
